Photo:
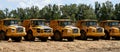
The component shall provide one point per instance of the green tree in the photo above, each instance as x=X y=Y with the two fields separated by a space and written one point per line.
x=117 y=11
x=2 y=15
x=85 y=12
x=106 y=11
x=6 y=11
x=97 y=10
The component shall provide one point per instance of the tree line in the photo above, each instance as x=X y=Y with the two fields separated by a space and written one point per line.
x=104 y=11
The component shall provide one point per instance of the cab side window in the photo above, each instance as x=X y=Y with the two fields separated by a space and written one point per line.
x=83 y=24
x=6 y=23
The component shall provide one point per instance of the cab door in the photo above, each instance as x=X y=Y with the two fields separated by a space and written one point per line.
x=1 y=24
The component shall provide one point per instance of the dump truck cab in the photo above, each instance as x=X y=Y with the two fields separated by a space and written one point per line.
x=90 y=29
x=112 y=29
x=9 y=28
x=37 y=28
x=63 y=28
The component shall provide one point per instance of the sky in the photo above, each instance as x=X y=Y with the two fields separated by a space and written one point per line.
x=14 y=4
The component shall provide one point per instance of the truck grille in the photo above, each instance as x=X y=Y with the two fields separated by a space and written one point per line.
x=19 y=29
x=75 y=30
x=38 y=30
x=99 y=29
x=47 y=30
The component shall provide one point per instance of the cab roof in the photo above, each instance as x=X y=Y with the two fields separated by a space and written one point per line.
x=37 y=19
x=10 y=19
x=110 y=21
x=87 y=20
x=64 y=20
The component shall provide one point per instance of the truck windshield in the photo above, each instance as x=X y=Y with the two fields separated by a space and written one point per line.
x=113 y=23
x=38 y=22
x=91 y=23
x=10 y=22
x=65 y=23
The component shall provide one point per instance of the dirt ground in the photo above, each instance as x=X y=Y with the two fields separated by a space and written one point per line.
x=63 y=46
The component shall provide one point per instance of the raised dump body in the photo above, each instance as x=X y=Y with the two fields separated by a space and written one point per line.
x=9 y=28
x=37 y=28
x=112 y=29
x=90 y=29
x=63 y=28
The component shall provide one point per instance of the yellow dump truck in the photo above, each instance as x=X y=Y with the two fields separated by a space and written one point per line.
x=9 y=28
x=90 y=29
x=63 y=28
x=112 y=29
x=37 y=28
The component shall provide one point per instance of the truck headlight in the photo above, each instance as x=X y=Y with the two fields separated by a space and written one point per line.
x=68 y=30
x=38 y=30
x=13 y=30
x=93 y=30
x=24 y=29
x=75 y=30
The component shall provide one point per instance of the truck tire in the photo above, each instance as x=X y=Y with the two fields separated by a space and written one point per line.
x=107 y=36
x=52 y=37
x=6 y=38
x=57 y=36
x=29 y=36
x=83 y=35
x=2 y=35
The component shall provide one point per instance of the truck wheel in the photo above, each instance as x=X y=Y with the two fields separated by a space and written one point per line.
x=44 y=39
x=83 y=35
x=2 y=35
x=57 y=36
x=70 y=39
x=29 y=36
x=25 y=38
x=6 y=38
x=52 y=37
x=107 y=37
x=17 y=39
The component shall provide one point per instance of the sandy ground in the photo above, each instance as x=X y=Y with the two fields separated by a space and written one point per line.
x=63 y=46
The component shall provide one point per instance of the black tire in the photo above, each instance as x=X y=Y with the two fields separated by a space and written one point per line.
x=6 y=38
x=17 y=39
x=52 y=37
x=70 y=39
x=107 y=36
x=2 y=35
x=83 y=35
x=44 y=39
x=29 y=36
x=57 y=36
x=25 y=38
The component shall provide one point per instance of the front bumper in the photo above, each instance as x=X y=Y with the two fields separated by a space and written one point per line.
x=15 y=34
x=43 y=34
x=95 y=34
x=71 y=34
x=115 y=34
